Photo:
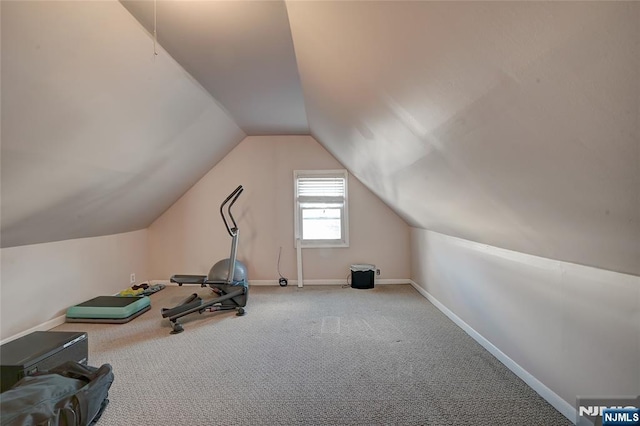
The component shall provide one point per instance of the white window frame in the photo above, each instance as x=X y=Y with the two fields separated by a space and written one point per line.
x=344 y=217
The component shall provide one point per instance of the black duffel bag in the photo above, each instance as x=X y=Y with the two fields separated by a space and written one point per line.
x=69 y=394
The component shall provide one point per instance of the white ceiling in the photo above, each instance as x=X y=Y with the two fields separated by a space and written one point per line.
x=240 y=51
x=515 y=124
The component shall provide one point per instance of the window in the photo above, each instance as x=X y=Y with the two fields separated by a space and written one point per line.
x=321 y=208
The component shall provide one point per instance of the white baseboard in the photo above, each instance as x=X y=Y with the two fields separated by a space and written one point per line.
x=392 y=281
x=45 y=326
x=550 y=396
x=262 y=283
x=385 y=281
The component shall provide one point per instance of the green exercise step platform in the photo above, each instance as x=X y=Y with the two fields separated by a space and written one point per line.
x=109 y=309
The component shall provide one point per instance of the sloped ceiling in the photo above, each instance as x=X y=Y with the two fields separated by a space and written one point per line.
x=240 y=51
x=98 y=135
x=515 y=124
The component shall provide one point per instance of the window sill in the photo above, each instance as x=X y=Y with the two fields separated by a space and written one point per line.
x=314 y=244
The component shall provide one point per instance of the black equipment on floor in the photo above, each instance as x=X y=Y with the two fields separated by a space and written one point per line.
x=362 y=275
x=39 y=351
x=71 y=394
x=227 y=278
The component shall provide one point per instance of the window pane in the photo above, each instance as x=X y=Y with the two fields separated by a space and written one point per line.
x=321 y=224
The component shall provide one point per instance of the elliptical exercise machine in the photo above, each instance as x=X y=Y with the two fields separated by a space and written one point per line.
x=227 y=278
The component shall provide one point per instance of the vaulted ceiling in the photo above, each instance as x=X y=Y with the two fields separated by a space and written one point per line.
x=240 y=51
x=515 y=124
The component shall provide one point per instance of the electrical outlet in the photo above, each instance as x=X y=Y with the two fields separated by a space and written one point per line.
x=133 y=278
x=377 y=271
x=283 y=282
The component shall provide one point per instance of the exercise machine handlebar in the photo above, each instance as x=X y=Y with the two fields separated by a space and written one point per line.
x=233 y=197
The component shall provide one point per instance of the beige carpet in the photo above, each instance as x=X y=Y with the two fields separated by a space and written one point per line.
x=321 y=355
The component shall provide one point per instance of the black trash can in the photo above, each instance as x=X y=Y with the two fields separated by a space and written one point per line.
x=362 y=275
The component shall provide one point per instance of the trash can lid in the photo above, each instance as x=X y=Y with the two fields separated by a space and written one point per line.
x=362 y=267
